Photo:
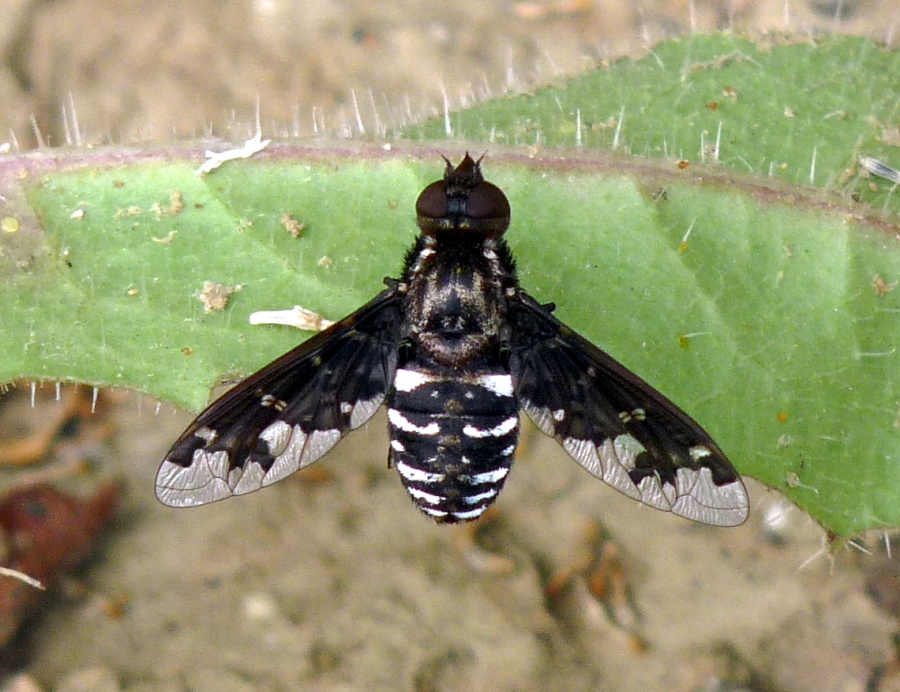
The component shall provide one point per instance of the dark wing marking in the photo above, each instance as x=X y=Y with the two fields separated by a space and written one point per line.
x=288 y=414
x=616 y=425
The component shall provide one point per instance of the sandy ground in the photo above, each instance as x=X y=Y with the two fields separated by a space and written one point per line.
x=331 y=580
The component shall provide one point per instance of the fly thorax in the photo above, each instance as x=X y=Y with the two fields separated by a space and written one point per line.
x=456 y=306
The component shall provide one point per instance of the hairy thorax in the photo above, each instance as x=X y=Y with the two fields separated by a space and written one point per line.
x=456 y=308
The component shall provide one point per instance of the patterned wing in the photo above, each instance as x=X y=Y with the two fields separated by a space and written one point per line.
x=288 y=414
x=616 y=425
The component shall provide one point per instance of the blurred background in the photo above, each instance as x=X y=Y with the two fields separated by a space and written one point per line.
x=136 y=70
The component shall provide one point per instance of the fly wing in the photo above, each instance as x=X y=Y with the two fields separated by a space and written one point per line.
x=288 y=414
x=616 y=425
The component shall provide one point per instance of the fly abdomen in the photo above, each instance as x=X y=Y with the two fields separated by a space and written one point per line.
x=452 y=438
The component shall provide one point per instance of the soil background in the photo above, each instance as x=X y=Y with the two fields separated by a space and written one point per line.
x=331 y=580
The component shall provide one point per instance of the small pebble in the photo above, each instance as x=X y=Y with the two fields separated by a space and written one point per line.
x=260 y=606
x=21 y=683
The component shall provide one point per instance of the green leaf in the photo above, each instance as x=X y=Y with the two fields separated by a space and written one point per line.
x=115 y=299
x=797 y=108
x=763 y=308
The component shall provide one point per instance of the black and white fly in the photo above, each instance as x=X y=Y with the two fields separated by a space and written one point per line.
x=455 y=349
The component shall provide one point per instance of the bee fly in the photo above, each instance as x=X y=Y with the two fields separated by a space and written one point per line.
x=455 y=349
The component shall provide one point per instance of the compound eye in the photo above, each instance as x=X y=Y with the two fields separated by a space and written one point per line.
x=487 y=201
x=432 y=203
